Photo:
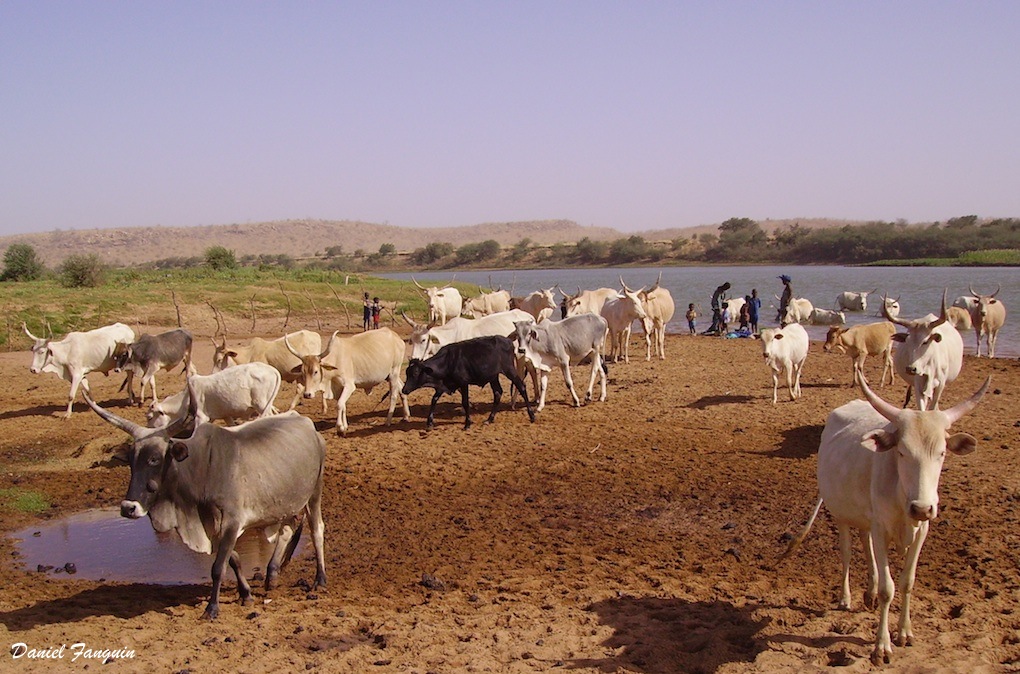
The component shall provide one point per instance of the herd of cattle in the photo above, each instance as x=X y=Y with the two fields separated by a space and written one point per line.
x=889 y=497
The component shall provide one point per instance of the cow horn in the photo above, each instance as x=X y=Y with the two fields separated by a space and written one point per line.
x=31 y=336
x=129 y=427
x=420 y=286
x=286 y=342
x=657 y=282
x=954 y=413
x=886 y=409
x=893 y=319
x=329 y=345
x=408 y=320
x=998 y=287
x=624 y=284
x=944 y=316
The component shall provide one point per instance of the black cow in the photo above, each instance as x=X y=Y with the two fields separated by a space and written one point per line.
x=477 y=362
x=150 y=354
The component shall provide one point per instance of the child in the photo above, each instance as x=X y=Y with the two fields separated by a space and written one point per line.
x=745 y=314
x=376 y=310
x=366 y=313
x=724 y=319
x=691 y=316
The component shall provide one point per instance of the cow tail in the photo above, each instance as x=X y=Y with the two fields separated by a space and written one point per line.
x=292 y=544
x=796 y=542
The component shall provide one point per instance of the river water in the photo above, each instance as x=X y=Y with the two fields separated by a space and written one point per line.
x=919 y=289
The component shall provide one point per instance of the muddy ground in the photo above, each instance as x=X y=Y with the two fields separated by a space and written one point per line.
x=635 y=535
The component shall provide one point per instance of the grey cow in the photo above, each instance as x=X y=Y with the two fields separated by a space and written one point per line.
x=152 y=353
x=261 y=476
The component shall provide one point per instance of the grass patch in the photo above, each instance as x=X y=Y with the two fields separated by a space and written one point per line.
x=23 y=500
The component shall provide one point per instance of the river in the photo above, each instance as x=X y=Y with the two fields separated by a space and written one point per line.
x=919 y=289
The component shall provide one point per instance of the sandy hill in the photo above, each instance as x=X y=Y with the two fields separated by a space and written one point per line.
x=304 y=238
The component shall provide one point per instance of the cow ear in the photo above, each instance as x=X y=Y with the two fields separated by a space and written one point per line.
x=961 y=444
x=936 y=337
x=899 y=337
x=512 y=336
x=179 y=450
x=230 y=354
x=779 y=335
x=879 y=441
x=123 y=454
x=327 y=366
x=296 y=370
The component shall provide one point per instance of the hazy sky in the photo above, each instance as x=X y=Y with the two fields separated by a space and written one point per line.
x=635 y=114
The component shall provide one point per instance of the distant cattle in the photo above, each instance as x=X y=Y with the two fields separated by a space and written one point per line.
x=659 y=308
x=540 y=303
x=785 y=350
x=238 y=393
x=799 y=310
x=929 y=356
x=861 y=341
x=444 y=303
x=620 y=313
x=589 y=301
x=890 y=307
x=363 y=361
x=959 y=318
x=562 y=344
x=853 y=301
x=475 y=362
x=987 y=316
x=79 y=353
x=826 y=317
x=259 y=478
x=272 y=352
x=878 y=474
x=426 y=340
x=486 y=304
x=152 y=353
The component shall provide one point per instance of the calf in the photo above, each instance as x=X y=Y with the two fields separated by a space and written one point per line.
x=878 y=473
x=475 y=362
x=861 y=341
x=239 y=392
x=152 y=353
x=785 y=350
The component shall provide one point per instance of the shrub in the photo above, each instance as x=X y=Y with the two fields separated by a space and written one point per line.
x=21 y=263
x=82 y=271
x=219 y=257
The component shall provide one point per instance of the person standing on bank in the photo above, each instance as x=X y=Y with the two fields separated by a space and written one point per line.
x=376 y=310
x=784 y=300
x=753 y=310
x=718 y=297
x=366 y=313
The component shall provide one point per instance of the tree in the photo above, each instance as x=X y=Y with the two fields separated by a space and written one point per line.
x=387 y=249
x=21 y=263
x=219 y=257
x=431 y=253
x=82 y=271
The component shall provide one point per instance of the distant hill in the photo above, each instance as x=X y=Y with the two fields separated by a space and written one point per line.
x=304 y=238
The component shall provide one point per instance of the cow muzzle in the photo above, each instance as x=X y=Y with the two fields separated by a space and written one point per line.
x=132 y=510
x=923 y=512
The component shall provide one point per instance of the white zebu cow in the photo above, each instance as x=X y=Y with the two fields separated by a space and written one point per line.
x=827 y=317
x=620 y=313
x=241 y=392
x=959 y=318
x=659 y=308
x=589 y=301
x=735 y=304
x=79 y=353
x=850 y=301
x=987 y=316
x=274 y=352
x=785 y=350
x=930 y=355
x=486 y=304
x=562 y=344
x=427 y=340
x=444 y=303
x=540 y=303
x=799 y=310
x=891 y=306
x=361 y=361
x=878 y=473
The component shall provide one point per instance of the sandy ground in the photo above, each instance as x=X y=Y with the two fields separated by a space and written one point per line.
x=636 y=535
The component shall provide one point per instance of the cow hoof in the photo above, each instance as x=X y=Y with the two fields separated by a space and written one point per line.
x=212 y=612
x=532 y=417
x=247 y=601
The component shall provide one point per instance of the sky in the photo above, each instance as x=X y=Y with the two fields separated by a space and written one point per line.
x=635 y=115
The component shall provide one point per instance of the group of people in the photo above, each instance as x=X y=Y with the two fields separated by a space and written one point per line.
x=747 y=317
x=370 y=312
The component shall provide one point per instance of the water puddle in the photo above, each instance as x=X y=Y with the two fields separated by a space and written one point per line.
x=102 y=545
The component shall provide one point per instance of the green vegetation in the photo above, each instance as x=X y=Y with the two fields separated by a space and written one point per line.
x=82 y=271
x=21 y=263
x=219 y=258
x=23 y=500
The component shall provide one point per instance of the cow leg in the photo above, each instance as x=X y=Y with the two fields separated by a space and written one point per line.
x=992 y=336
x=314 y=509
x=775 y=386
x=871 y=594
x=243 y=588
x=286 y=541
x=341 y=413
x=648 y=346
x=883 y=645
x=223 y=552
x=395 y=386
x=796 y=377
x=565 y=368
x=497 y=393
x=625 y=344
x=904 y=634
x=543 y=386
x=76 y=381
x=845 y=553
x=660 y=333
x=518 y=384
x=467 y=405
x=431 y=421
